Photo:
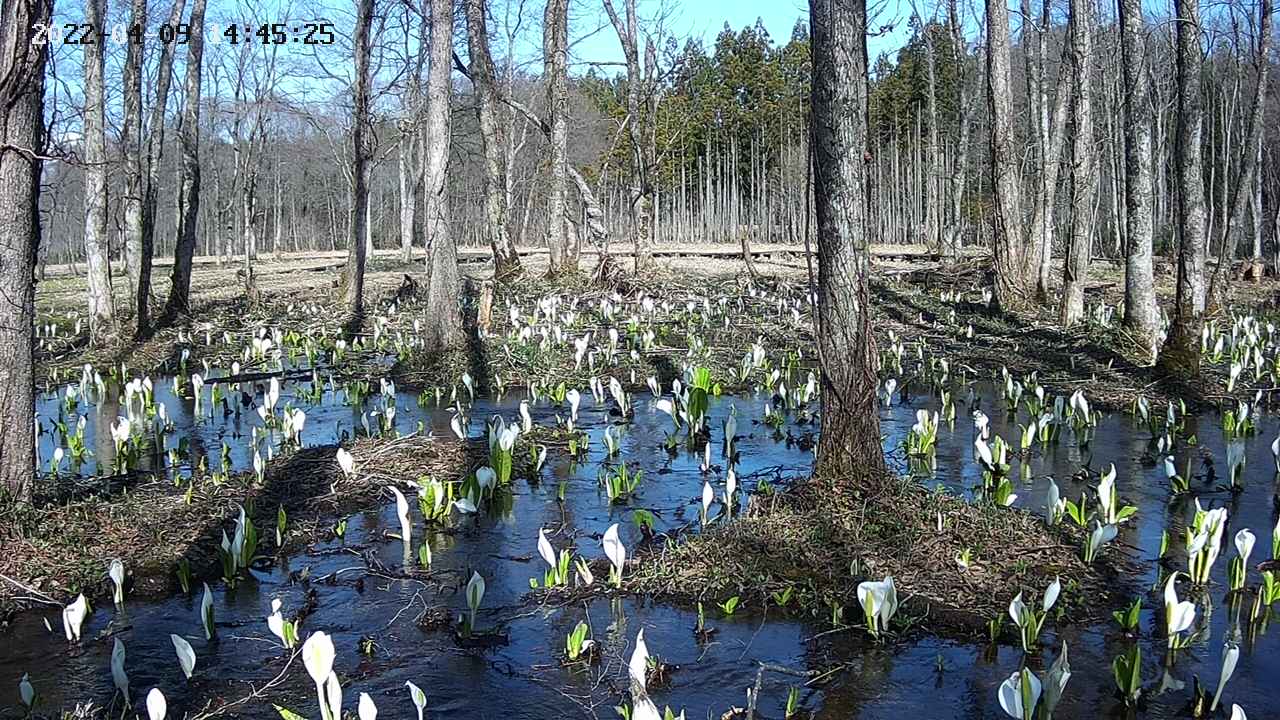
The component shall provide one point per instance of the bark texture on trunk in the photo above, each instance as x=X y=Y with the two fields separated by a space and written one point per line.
x=555 y=45
x=1181 y=352
x=1141 y=315
x=358 y=242
x=189 y=189
x=444 y=282
x=641 y=107
x=1010 y=255
x=22 y=64
x=849 y=446
x=506 y=262
x=1242 y=182
x=1084 y=169
x=131 y=140
x=155 y=132
x=97 y=244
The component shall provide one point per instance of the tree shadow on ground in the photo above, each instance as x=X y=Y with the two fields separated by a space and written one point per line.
x=1071 y=359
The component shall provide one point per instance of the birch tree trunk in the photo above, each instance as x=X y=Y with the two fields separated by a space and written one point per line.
x=1181 y=353
x=189 y=190
x=131 y=140
x=96 y=241
x=506 y=261
x=1009 y=252
x=849 y=446
x=555 y=43
x=444 y=282
x=22 y=65
x=1084 y=170
x=357 y=247
x=1141 y=315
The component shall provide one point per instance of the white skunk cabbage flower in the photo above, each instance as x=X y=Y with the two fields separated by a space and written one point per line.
x=1244 y=545
x=157 y=706
x=402 y=511
x=526 y=420
x=118 y=675
x=26 y=692
x=1237 y=713
x=1230 y=657
x=638 y=666
x=347 y=462
x=458 y=428
x=1178 y=616
x=333 y=692
x=614 y=550
x=275 y=622
x=419 y=698
x=206 y=612
x=186 y=654
x=475 y=594
x=317 y=656
x=1020 y=694
x=73 y=618
x=366 y=709
x=707 y=496
x=547 y=552
x=117 y=579
x=1055 y=681
x=879 y=602
x=574 y=398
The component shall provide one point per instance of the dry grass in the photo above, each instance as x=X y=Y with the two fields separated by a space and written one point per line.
x=60 y=548
x=823 y=540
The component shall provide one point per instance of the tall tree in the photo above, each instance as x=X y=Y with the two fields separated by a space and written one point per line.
x=1242 y=181
x=444 y=318
x=1181 y=353
x=154 y=153
x=642 y=102
x=850 y=440
x=131 y=140
x=22 y=59
x=1140 y=313
x=96 y=240
x=1084 y=169
x=555 y=50
x=361 y=150
x=189 y=185
x=506 y=261
x=1010 y=256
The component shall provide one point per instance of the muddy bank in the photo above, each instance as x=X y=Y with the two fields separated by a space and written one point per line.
x=57 y=548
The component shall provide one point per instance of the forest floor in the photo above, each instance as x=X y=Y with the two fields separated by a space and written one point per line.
x=58 y=545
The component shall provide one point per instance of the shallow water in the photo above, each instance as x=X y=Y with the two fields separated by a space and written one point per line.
x=927 y=678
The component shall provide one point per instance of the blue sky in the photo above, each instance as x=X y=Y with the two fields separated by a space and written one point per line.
x=705 y=19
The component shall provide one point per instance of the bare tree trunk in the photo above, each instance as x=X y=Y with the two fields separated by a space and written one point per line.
x=152 y=160
x=1141 y=315
x=189 y=191
x=555 y=43
x=849 y=446
x=131 y=139
x=1010 y=255
x=444 y=282
x=641 y=107
x=506 y=261
x=96 y=241
x=22 y=60
x=1084 y=170
x=357 y=248
x=1181 y=353
x=409 y=174
x=1242 y=182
